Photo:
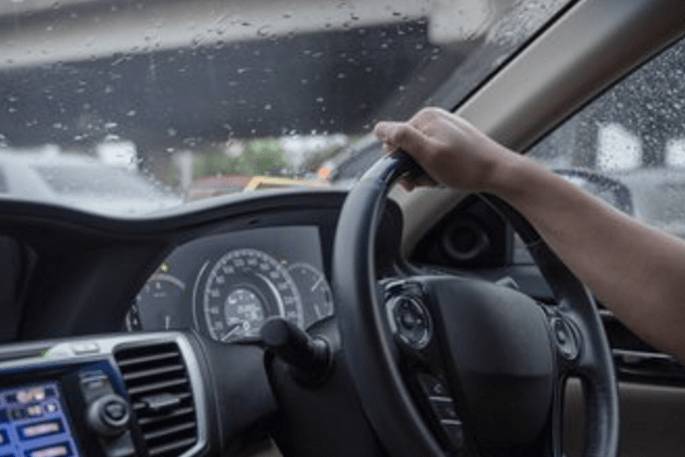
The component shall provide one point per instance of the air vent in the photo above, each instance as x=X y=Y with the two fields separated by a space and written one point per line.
x=159 y=388
x=635 y=360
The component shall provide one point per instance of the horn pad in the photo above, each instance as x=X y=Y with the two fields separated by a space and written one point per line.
x=500 y=355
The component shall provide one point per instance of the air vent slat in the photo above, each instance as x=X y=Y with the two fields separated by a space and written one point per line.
x=147 y=420
x=147 y=359
x=160 y=391
x=132 y=376
x=157 y=386
x=169 y=431
x=179 y=447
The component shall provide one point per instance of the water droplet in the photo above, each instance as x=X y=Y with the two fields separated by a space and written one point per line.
x=131 y=113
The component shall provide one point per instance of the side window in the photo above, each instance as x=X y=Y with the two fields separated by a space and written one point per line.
x=3 y=182
x=628 y=146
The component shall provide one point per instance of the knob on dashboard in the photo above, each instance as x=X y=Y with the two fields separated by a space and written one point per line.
x=109 y=415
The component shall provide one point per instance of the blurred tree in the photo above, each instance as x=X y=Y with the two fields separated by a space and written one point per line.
x=259 y=157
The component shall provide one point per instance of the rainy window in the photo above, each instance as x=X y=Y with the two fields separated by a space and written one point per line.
x=186 y=100
x=630 y=143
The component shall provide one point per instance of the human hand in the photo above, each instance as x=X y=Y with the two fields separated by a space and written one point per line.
x=449 y=149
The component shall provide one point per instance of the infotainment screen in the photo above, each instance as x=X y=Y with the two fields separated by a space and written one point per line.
x=33 y=423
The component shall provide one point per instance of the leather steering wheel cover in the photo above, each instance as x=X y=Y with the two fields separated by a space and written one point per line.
x=368 y=345
x=367 y=342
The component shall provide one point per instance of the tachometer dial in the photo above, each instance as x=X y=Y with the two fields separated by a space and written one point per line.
x=156 y=305
x=317 y=298
x=243 y=288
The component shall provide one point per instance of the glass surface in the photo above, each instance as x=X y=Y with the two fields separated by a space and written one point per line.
x=634 y=134
x=196 y=99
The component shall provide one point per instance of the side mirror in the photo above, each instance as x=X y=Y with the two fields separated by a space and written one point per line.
x=611 y=190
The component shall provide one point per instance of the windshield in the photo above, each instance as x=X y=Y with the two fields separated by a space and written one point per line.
x=197 y=99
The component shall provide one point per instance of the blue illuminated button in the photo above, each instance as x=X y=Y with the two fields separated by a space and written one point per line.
x=50 y=407
x=30 y=395
x=29 y=412
x=39 y=429
x=53 y=450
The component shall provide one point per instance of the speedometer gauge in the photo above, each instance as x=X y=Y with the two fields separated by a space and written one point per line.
x=317 y=298
x=243 y=288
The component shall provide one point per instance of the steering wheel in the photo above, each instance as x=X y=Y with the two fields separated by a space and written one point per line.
x=447 y=366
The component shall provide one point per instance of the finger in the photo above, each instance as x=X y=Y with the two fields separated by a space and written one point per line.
x=407 y=184
x=411 y=183
x=430 y=115
x=402 y=135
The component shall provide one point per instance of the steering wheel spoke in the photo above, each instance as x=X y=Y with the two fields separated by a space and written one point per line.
x=410 y=318
x=432 y=356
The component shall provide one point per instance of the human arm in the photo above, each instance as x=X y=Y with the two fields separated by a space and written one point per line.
x=636 y=271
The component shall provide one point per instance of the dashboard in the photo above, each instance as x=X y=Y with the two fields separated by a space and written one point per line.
x=72 y=383
x=225 y=286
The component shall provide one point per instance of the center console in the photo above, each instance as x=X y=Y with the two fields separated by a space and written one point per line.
x=115 y=396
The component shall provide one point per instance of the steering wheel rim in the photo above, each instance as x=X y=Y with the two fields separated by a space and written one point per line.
x=371 y=347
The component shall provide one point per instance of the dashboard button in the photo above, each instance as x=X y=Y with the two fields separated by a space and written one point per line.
x=108 y=415
x=87 y=347
x=115 y=410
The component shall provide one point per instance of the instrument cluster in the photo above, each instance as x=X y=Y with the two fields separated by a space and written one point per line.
x=227 y=285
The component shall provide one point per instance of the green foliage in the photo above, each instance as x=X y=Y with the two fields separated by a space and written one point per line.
x=260 y=157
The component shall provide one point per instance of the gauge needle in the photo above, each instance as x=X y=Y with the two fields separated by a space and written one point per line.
x=316 y=284
x=230 y=333
x=167 y=322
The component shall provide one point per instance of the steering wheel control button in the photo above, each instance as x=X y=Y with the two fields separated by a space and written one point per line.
x=410 y=320
x=454 y=432
x=432 y=386
x=565 y=338
x=444 y=408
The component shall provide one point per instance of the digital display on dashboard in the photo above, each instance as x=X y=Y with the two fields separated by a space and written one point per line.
x=33 y=423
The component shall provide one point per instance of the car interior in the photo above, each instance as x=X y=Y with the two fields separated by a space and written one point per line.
x=354 y=319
